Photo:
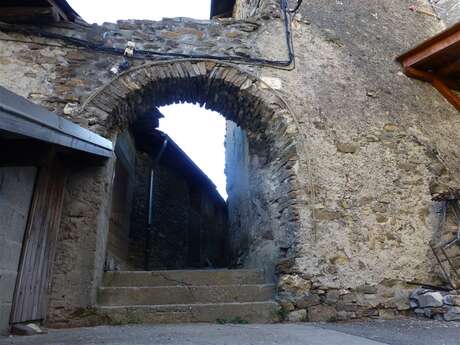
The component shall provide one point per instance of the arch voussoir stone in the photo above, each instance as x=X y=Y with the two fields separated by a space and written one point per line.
x=239 y=97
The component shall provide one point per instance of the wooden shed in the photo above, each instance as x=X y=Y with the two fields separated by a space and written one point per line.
x=38 y=149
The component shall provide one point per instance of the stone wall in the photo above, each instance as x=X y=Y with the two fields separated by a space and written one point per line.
x=264 y=9
x=377 y=147
x=118 y=249
x=189 y=222
x=169 y=239
x=189 y=226
x=82 y=243
x=237 y=170
x=448 y=10
x=16 y=189
x=249 y=219
x=140 y=211
x=349 y=150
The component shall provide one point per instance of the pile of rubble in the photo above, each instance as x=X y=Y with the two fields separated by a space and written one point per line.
x=438 y=305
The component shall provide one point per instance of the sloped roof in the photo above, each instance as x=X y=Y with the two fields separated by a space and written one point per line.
x=22 y=117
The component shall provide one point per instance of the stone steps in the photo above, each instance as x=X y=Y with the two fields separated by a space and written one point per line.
x=251 y=312
x=187 y=296
x=183 y=277
x=112 y=296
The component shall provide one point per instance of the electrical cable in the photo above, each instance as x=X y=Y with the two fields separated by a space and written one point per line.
x=296 y=8
x=153 y=55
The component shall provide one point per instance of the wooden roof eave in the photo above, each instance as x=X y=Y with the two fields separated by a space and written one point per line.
x=434 y=61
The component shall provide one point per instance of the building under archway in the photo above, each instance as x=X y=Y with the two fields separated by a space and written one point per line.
x=166 y=212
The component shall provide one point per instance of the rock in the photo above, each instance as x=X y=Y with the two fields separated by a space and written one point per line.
x=294 y=284
x=419 y=311
x=430 y=299
x=390 y=127
x=452 y=300
x=386 y=314
x=427 y=312
x=347 y=307
x=401 y=304
x=285 y=266
x=345 y=315
x=413 y=304
x=453 y=313
x=287 y=306
x=274 y=83
x=297 y=316
x=347 y=147
x=367 y=289
x=70 y=108
x=438 y=310
x=417 y=292
x=307 y=300
x=438 y=317
x=322 y=313
x=332 y=296
x=327 y=215
x=26 y=329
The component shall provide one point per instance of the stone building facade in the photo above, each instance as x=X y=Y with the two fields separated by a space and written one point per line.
x=342 y=152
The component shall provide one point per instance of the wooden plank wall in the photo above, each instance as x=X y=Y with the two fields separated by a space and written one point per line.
x=31 y=295
x=16 y=189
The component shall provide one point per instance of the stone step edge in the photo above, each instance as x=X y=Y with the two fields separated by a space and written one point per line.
x=184 y=286
x=243 y=270
x=190 y=305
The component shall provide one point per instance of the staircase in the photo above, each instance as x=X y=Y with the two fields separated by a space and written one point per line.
x=182 y=296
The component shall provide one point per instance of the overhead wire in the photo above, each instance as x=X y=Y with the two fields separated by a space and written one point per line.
x=154 y=55
x=296 y=8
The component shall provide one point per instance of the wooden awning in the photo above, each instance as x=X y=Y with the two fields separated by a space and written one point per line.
x=37 y=11
x=437 y=61
x=21 y=117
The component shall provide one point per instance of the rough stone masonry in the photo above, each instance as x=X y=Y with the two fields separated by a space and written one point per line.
x=345 y=151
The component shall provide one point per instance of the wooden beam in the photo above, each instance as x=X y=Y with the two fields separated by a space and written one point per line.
x=62 y=14
x=449 y=69
x=429 y=51
x=437 y=82
x=431 y=46
x=446 y=92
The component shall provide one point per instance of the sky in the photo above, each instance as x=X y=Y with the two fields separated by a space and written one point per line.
x=199 y=132
x=100 y=11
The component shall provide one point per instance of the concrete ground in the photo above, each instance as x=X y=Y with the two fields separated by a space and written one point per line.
x=407 y=332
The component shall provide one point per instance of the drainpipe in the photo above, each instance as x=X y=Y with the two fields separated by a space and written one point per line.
x=150 y=215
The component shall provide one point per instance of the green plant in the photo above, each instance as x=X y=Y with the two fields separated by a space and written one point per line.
x=236 y=320
x=282 y=314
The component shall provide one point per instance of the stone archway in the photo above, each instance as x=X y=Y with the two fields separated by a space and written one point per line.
x=240 y=97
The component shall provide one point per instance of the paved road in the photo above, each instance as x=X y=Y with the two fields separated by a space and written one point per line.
x=408 y=332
